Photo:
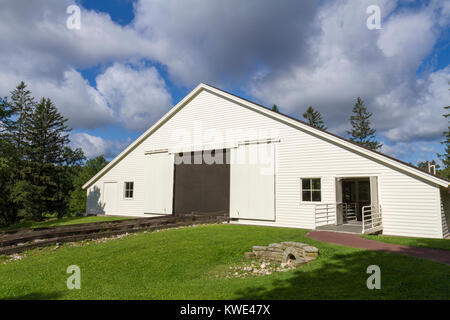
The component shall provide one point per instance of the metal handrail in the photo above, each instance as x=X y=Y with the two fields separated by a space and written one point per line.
x=349 y=211
x=324 y=213
x=371 y=216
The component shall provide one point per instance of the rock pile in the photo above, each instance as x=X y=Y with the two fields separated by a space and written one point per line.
x=291 y=253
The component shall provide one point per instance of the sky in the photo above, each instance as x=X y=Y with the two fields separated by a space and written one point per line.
x=130 y=61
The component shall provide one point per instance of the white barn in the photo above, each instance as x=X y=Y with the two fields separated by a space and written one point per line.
x=265 y=168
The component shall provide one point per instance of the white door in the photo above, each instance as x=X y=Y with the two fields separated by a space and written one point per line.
x=110 y=196
x=158 y=183
x=252 y=182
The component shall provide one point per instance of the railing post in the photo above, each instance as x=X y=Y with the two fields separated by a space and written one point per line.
x=363 y=224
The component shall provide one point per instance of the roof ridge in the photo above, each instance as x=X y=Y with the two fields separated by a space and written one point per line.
x=332 y=134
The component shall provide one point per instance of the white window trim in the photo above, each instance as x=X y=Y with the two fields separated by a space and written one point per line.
x=125 y=190
x=301 y=191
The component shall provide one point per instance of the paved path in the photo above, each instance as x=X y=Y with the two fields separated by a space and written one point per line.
x=355 y=241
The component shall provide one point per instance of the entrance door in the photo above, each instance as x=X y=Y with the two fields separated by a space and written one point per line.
x=356 y=193
x=110 y=197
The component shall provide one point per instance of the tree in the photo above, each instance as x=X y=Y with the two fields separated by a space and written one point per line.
x=14 y=114
x=22 y=105
x=8 y=158
x=86 y=172
x=48 y=158
x=275 y=108
x=314 y=118
x=424 y=165
x=361 y=131
x=446 y=157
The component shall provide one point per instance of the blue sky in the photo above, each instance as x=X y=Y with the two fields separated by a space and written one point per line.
x=132 y=60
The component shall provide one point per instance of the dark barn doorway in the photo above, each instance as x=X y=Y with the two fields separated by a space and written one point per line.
x=202 y=182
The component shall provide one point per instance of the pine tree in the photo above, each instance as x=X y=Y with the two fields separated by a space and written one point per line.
x=8 y=160
x=361 y=131
x=275 y=108
x=47 y=158
x=314 y=118
x=22 y=105
x=446 y=157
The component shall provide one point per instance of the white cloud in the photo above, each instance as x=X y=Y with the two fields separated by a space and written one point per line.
x=422 y=119
x=377 y=65
x=138 y=95
x=84 y=106
x=38 y=48
x=225 y=41
x=94 y=146
x=402 y=32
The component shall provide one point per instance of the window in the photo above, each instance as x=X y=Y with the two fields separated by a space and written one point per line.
x=311 y=190
x=129 y=188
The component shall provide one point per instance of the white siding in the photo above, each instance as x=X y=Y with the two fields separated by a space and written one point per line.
x=445 y=212
x=410 y=206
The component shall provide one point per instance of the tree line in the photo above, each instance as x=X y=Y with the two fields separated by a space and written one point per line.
x=40 y=174
x=361 y=131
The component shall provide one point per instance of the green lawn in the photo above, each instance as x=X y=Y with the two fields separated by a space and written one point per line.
x=443 y=244
x=53 y=222
x=188 y=263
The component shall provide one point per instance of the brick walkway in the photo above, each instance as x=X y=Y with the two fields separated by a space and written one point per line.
x=355 y=241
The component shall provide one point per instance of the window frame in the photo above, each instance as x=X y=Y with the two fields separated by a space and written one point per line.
x=311 y=190
x=125 y=190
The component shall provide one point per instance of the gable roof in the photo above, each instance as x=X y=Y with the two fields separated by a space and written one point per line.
x=403 y=166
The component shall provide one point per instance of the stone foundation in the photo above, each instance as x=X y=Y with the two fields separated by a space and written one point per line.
x=294 y=253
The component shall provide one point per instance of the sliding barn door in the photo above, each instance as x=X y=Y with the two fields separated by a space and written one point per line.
x=252 y=182
x=158 y=186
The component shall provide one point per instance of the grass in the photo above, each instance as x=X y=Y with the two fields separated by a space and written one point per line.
x=442 y=244
x=53 y=222
x=188 y=263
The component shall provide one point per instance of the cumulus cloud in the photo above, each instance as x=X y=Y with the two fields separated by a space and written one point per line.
x=38 y=48
x=94 y=146
x=84 y=106
x=139 y=96
x=377 y=65
x=35 y=35
x=204 y=41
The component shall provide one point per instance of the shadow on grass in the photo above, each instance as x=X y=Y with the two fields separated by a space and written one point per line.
x=37 y=296
x=343 y=276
